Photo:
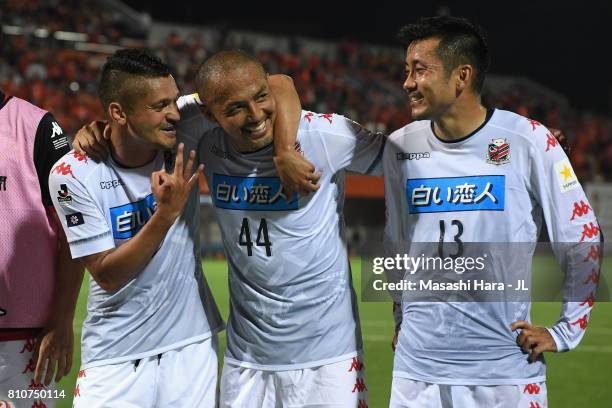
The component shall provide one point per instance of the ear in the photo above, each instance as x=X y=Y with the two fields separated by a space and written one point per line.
x=117 y=113
x=464 y=77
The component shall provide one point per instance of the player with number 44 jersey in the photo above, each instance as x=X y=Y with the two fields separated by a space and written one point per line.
x=293 y=336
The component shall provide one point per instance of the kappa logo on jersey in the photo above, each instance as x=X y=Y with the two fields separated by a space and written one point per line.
x=251 y=193
x=565 y=176
x=56 y=130
x=498 y=152
x=2 y=183
x=580 y=209
x=63 y=169
x=72 y=220
x=58 y=142
x=412 y=156
x=551 y=141
x=110 y=184
x=63 y=195
x=449 y=194
x=129 y=218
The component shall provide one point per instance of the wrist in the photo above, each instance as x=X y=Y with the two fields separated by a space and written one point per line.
x=164 y=217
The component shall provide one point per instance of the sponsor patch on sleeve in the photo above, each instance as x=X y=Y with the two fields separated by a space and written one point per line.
x=74 y=219
x=565 y=176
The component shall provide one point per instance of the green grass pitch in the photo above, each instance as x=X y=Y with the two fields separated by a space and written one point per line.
x=580 y=378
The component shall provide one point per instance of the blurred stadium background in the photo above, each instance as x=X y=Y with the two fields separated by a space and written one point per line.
x=548 y=64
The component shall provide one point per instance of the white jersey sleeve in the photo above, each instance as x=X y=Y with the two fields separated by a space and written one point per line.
x=84 y=223
x=573 y=230
x=350 y=146
x=393 y=237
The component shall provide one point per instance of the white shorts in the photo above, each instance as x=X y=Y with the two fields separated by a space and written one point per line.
x=406 y=393
x=17 y=367
x=185 y=377
x=335 y=385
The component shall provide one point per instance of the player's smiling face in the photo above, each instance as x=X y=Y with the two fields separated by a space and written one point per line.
x=430 y=90
x=242 y=104
x=154 y=113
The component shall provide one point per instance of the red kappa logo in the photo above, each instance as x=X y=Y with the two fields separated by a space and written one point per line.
x=80 y=157
x=39 y=404
x=534 y=123
x=534 y=405
x=580 y=209
x=551 y=141
x=30 y=367
x=35 y=386
x=77 y=391
x=589 y=231
x=362 y=404
x=82 y=374
x=28 y=346
x=590 y=300
x=63 y=169
x=594 y=253
x=532 y=389
x=582 y=322
x=594 y=276
x=356 y=364
x=309 y=116
x=360 y=386
x=327 y=116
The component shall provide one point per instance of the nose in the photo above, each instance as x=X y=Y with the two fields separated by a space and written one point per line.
x=173 y=114
x=256 y=113
x=409 y=83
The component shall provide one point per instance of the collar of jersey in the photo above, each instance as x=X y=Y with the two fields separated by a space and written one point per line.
x=490 y=112
x=115 y=163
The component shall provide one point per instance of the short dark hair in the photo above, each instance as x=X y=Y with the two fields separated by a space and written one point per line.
x=220 y=64
x=461 y=42
x=122 y=68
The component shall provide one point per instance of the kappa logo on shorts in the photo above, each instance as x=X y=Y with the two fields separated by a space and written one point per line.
x=251 y=193
x=450 y=194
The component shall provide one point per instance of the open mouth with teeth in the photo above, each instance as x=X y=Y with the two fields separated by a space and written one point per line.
x=257 y=130
x=415 y=98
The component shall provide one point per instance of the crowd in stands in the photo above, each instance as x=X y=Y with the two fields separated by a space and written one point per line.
x=360 y=83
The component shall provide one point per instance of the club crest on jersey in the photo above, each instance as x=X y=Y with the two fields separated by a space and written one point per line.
x=498 y=152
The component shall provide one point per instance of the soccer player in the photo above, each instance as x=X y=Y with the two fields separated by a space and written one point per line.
x=293 y=335
x=484 y=176
x=149 y=337
x=39 y=282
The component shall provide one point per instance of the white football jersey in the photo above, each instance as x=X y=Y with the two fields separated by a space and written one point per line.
x=167 y=304
x=493 y=187
x=292 y=304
